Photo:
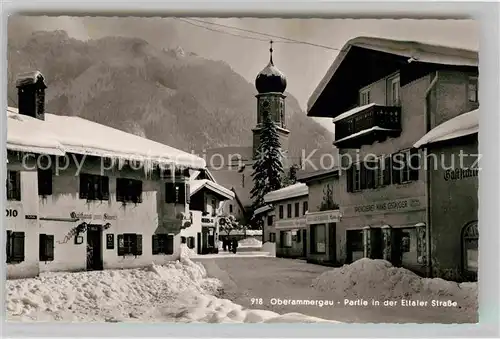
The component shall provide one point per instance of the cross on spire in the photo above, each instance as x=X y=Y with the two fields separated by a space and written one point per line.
x=271 y=52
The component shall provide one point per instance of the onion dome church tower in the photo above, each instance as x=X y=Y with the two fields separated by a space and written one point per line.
x=271 y=84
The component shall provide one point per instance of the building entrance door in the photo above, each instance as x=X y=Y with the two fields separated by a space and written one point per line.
x=304 y=242
x=94 y=248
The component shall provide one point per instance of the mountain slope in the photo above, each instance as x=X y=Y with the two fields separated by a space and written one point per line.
x=170 y=96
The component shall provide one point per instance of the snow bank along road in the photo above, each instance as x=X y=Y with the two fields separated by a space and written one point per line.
x=177 y=292
x=343 y=294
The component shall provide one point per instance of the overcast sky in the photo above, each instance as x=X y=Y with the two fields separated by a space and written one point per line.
x=303 y=65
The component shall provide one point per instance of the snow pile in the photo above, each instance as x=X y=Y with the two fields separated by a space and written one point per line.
x=378 y=279
x=208 y=309
x=250 y=242
x=111 y=295
x=269 y=247
x=186 y=252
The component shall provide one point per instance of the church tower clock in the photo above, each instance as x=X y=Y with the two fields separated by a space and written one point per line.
x=271 y=84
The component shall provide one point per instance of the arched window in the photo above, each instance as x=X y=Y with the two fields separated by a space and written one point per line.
x=470 y=241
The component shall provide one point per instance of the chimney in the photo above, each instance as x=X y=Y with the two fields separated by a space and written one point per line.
x=31 y=94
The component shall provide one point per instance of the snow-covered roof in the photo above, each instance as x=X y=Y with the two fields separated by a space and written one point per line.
x=459 y=126
x=352 y=112
x=292 y=191
x=262 y=209
x=59 y=134
x=196 y=185
x=418 y=51
x=29 y=78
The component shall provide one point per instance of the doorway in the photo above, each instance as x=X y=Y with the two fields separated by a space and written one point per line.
x=304 y=242
x=94 y=248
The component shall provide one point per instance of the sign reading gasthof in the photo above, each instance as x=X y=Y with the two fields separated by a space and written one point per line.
x=324 y=217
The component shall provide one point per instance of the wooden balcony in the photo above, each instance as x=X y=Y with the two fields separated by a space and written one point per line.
x=365 y=125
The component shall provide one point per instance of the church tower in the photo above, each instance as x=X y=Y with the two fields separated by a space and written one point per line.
x=270 y=84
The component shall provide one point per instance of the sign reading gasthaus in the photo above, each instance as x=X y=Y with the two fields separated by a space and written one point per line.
x=323 y=217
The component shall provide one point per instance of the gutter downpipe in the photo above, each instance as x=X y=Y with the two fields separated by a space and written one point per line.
x=427 y=120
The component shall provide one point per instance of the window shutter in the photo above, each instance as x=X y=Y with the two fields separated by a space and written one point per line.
x=181 y=198
x=387 y=170
x=169 y=192
x=188 y=194
x=121 y=245
x=363 y=173
x=190 y=243
x=104 y=188
x=8 y=245
x=18 y=188
x=414 y=164
x=84 y=186
x=170 y=244
x=49 y=248
x=396 y=168
x=138 y=191
x=119 y=190
x=350 y=179
x=138 y=244
x=18 y=246
x=155 y=244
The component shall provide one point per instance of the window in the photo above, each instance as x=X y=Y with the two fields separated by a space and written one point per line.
x=128 y=190
x=394 y=99
x=286 y=239
x=269 y=220
x=163 y=244
x=305 y=207
x=281 y=211
x=405 y=166
x=183 y=240
x=361 y=176
x=230 y=208
x=472 y=90
x=94 y=187
x=214 y=207
x=15 y=247
x=190 y=242
x=129 y=244
x=14 y=185
x=470 y=242
x=297 y=210
x=176 y=193
x=272 y=237
x=318 y=238
x=289 y=210
x=364 y=97
x=44 y=181
x=46 y=247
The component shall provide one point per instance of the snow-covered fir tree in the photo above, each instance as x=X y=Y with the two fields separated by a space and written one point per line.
x=268 y=167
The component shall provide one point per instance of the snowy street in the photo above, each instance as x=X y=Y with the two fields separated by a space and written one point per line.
x=241 y=289
x=267 y=278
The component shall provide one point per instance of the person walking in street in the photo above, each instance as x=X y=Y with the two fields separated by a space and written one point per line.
x=234 y=245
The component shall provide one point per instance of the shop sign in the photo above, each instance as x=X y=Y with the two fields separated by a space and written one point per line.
x=460 y=173
x=324 y=217
x=82 y=215
x=387 y=206
x=290 y=223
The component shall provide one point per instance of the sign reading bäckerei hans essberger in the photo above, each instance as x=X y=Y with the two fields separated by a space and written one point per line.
x=386 y=206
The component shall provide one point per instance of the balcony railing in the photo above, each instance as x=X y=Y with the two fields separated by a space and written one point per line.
x=364 y=127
